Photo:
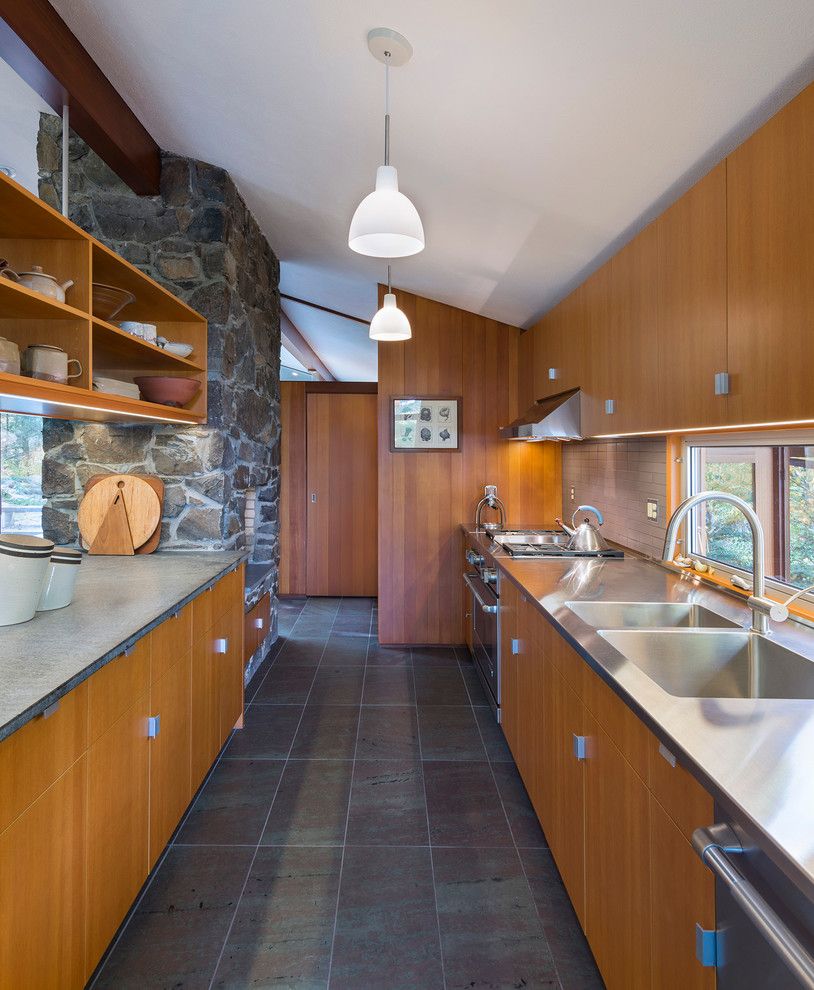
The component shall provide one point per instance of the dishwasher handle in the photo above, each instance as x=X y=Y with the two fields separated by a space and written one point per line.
x=715 y=845
x=489 y=609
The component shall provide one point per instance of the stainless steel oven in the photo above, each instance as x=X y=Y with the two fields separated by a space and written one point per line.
x=481 y=583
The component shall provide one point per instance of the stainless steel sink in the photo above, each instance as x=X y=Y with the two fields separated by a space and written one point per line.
x=648 y=615
x=536 y=538
x=707 y=663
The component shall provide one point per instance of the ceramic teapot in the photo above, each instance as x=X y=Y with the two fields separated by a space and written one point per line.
x=38 y=281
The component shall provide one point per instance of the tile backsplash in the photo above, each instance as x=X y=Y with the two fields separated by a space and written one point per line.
x=618 y=477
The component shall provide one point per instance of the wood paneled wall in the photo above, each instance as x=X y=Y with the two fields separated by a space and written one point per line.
x=423 y=497
x=293 y=483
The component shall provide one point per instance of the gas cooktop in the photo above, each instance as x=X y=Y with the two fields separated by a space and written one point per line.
x=518 y=549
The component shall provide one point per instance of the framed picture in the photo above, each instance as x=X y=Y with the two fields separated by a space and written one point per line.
x=425 y=422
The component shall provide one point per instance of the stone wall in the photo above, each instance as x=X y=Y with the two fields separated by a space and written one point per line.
x=199 y=240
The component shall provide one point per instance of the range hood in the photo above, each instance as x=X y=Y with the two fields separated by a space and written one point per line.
x=553 y=418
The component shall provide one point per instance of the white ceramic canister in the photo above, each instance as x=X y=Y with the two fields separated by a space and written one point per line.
x=60 y=578
x=23 y=566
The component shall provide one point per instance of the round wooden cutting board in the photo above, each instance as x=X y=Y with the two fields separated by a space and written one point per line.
x=141 y=504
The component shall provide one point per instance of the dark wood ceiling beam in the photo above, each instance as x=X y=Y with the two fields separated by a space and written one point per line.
x=325 y=309
x=301 y=349
x=41 y=48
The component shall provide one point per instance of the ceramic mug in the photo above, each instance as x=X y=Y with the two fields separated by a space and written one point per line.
x=60 y=578
x=23 y=566
x=48 y=363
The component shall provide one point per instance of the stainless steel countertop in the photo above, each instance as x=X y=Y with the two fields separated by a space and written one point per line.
x=117 y=600
x=755 y=756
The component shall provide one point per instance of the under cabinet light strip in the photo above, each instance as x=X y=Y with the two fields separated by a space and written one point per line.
x=115 y=412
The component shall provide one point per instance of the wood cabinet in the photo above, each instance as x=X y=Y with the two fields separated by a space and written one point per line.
x=691 y=328
x=34 y=233
x=616 y=808
x=118 y=804
x=42 y=889
x=89 y=799
x=256 y=626
x=770 y=267
x=507 y=633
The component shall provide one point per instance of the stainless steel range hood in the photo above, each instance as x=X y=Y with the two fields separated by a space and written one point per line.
x=553 y=418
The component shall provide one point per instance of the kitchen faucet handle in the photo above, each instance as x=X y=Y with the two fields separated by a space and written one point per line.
x=779 y=611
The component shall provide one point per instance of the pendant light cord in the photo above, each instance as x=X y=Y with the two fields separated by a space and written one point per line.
x=388 y=280
x=387 y=109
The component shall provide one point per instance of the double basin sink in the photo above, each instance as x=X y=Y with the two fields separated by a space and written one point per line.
x=692 y=652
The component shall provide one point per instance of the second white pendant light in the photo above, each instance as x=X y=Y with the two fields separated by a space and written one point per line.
x=386 y=224
x=390 y=323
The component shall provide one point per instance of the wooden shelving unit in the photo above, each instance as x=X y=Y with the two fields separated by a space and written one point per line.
x=31 y=233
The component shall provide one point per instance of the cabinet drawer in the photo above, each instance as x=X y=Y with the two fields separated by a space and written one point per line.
x=203 y=613
x=171 y=641
x=677 y=791
x=256 y=626
x=228 y=592
x=628 y=733
x=112 y=689
x=34 y=756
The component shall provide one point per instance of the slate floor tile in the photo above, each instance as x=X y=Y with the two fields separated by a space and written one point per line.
x=311 y=805
x=569 y=948
x=267 y=732
x=490 y=933
x=387 y=732
x=434 y=656
x=497 y=749
x=326 y=732
x=301 y=652
x=464 y=806
x=517 y=805
x=387 y=805
x=283 y=930
x=233 y=804
x=348 y=650
x=387 y=656
x=440 y=686
x=386 y=928
x=389 y=686
x=477 y=695
x=175 y=935
x=337 y=685
x=285 y=686
x=449 y=733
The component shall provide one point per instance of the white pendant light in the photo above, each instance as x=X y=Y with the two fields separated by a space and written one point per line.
x=386 y=224
x=390 y=323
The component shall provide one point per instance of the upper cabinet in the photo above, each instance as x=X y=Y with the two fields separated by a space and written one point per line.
x=691 y=308
x=703 y=319
x=770 y=263
x=81 y=325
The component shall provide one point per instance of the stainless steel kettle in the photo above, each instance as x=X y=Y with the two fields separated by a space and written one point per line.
x=586 y=536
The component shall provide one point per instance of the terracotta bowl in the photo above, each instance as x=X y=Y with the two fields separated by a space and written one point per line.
x=167 y=389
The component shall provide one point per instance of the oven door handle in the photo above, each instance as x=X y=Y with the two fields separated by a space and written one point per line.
x=489 y=609
x=715 y=845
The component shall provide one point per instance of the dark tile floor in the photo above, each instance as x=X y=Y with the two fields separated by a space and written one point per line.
x=366 y=829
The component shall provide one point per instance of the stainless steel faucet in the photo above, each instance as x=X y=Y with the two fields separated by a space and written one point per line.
x=491 y=500
x=762 y=607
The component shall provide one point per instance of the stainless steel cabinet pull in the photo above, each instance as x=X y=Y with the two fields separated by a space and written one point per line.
x=153 y=726
x=313 y=496
x=49 y=711
x=715 y=845
x=515 y=646
x=490 y=609
x=258 y=623
x=722 y=383
x=221 y=645
x=580 y=747
x=665 y=754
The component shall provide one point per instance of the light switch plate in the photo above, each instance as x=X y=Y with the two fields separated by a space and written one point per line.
x=652 y=507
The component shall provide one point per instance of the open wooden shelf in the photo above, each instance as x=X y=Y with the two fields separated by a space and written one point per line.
x=31 y=232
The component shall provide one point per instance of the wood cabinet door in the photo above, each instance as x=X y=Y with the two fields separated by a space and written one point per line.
x=170 y=781
x=205 y=709
x=691 y=309
x=342 y=513
x=42 y=889
x=229 y=672
x=507 y=633
x=682 y=893
x=617 y=875
x=529 y=705
x=562 y=783
x=770 y=267
x=118 y=827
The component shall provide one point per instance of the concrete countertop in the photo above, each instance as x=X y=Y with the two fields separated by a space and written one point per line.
x=117 y=601
x=755 y=756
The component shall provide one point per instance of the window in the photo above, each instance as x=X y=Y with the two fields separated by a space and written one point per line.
x=20 y=474
x=777 y=480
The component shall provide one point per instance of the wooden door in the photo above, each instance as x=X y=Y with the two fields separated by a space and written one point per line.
x=770 y=267
x=617 y=861
x=692 y=305
x=682 y=894
x=118 y=827
x=561 y=801
x=170 y=782
x=507 y=633
x=342 y=516
x=42 y=889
